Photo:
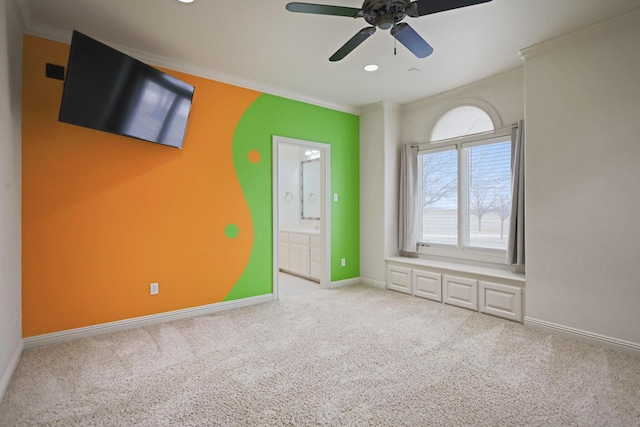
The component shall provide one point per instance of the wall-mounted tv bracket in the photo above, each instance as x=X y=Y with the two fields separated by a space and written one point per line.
x=55 y=71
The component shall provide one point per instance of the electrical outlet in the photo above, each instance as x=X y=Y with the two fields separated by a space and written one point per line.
x=344 y=262
x=335 y=197
x=16 y=317
x=153 y=288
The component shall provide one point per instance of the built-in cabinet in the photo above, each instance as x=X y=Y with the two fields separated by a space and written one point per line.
x=299 y=253
x=460 y=291
x=314 y=256
x=462 y=286
x=426 y=284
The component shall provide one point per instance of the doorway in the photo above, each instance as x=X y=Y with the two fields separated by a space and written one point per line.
x=301 y=210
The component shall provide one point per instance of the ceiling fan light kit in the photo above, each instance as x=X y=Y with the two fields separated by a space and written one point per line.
x=386 y=15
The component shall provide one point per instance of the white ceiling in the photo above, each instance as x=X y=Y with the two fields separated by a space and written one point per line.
x=259 y=45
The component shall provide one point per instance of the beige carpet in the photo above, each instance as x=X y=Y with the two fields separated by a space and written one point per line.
x=356 y=356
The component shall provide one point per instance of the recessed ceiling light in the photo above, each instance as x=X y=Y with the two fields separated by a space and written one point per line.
x=185 y=1
x=370 y=67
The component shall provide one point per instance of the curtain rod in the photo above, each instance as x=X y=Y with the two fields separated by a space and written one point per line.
x=491 y=132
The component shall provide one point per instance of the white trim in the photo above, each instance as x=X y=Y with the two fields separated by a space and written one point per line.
x=486 y=256
x=137 y=322
x=11 y=368
x=275 y=267
x=487 y=108
x=372 y=282
x=381 y=105
x=579 y=35
x=462 y=250
x=471 y=140
x=63 y=36
x=584 y=336
x=345 y=282
x=325 y=206
x=19 y=12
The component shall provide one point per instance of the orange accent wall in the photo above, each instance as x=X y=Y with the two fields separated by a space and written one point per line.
x=105 y=215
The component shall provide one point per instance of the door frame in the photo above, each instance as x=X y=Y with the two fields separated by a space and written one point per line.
x=325 y=206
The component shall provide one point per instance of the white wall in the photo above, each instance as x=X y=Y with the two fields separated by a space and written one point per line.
x=583 y=181
x=372 y=194
x=391 y=178
x=581 y=94
x=504 y=93
x=383 y=127
x=10 y=190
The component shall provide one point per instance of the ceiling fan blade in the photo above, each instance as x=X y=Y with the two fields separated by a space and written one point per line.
x=427 y=7
x=322 y=9
x=411 y=40
x=353 y=43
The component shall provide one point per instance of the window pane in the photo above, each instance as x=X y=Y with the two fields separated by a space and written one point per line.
x=439 y=197
x=489 y=202
x=461 y=121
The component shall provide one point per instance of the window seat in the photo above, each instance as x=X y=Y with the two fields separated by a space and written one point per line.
x=459 y=268
x=493 y=291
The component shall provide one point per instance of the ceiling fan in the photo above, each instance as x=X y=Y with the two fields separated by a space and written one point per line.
x=385 y=14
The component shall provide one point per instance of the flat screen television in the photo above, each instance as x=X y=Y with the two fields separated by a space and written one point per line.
x=109 y=91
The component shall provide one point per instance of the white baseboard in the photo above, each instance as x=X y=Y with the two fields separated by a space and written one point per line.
x=584 y=336
x=11 y=368
x=372 y=282
x=137 y=322
x=345 y=282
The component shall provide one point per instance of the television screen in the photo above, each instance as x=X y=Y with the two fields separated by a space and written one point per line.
x=109 y=91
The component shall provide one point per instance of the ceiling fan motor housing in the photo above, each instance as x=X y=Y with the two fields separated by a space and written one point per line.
x=384 y=13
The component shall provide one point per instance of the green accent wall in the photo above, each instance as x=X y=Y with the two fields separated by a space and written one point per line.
x=271 y=115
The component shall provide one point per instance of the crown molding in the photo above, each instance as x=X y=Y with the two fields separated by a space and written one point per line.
x=64 y=36
x=627 y=18
x=373 y=107
x=381 y=105
x=194 y=70
x=18 y=6
x=391 y=106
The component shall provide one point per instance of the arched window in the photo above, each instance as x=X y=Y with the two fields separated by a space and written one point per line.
x=461 y=121
x=465 y=186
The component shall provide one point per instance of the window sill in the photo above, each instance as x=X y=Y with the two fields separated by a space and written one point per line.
x=492 y=257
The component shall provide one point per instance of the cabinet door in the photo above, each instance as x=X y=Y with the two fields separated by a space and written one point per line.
x=283 y=250
x=501 y=300
x=294 y=259
x=283 y=255
x=283 y=236
x=399 y=279
x=460 y=291
x=304 y=261
x=314 y=262
x=426 y=284
x=299 y=259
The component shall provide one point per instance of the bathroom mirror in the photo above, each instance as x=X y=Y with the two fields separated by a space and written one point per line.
x=310 y=189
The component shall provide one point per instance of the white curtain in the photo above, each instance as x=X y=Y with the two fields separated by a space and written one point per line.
x=515 y=246
x=408 y=218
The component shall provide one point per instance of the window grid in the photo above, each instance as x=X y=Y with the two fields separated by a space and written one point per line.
x=475 y=216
